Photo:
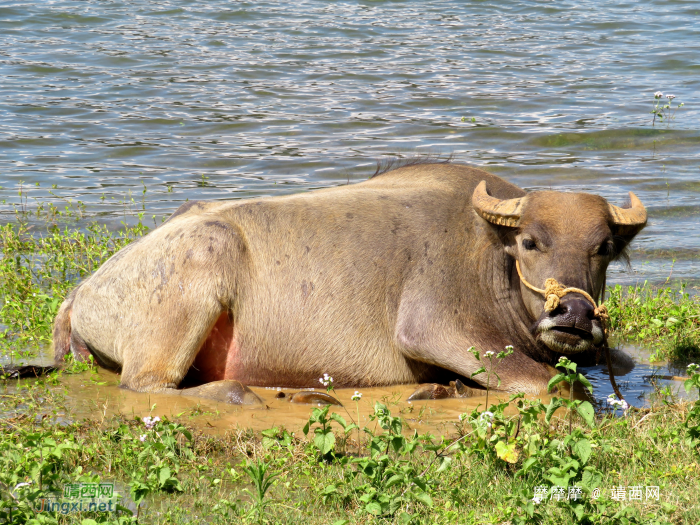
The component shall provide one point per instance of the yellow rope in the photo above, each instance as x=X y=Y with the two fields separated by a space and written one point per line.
x=553 y=291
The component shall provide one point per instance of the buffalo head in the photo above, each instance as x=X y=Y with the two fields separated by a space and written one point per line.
x=571 y=237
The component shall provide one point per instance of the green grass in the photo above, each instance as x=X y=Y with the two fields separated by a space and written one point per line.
x=666 y=319
x=180 y=474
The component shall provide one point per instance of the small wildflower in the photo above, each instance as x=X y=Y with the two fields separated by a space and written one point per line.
x=693 y=368
x=509 y=348
x=489 y=354
x=617 y=403
x=658 y=94
x=486 y=416
x=326 y=380
x=150 y=422
x=142 y=437
x=670 y=97
x=356 y=396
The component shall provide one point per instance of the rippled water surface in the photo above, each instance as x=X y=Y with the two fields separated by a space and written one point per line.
x=233 y=99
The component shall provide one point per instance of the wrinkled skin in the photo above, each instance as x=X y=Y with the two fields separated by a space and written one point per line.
x=384 y=282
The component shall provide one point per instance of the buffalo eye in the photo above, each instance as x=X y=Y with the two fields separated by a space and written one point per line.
x=606 y=249
x=529 y=244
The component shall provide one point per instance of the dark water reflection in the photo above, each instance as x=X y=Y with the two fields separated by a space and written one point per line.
x=218 y=100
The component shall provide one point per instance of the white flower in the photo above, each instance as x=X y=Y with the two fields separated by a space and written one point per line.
x=487 y=417
x=617 y=403
x=356 y=396
x=150 y=422
x=509 y=348
x=658 y=94
x=489 y=354
x=142 y=437
x=692 y=368
x=670 y=97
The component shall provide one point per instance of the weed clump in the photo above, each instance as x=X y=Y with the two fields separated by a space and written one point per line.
x=665 y=319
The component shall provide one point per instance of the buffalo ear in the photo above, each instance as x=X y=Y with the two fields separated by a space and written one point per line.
x=628 y=222
x=502 y=212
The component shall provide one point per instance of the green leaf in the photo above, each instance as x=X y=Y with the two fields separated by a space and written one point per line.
x=585 y=382
x=587 y=412
x=374 y=508
x=423 y=497
x=329 y=489
x=479 y=371
x=339 y=419
x=341 y=522
x=582 y=449
x=444 y=463
x=164 y=475
x=507 y=452
x=393 y=480
x=688 y=384
x=579 y=511
x=554 y=404
x=325 y=442
x=555 y=381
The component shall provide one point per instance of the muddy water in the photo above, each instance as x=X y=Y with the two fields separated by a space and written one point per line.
x=94 y=400
x=95 y=395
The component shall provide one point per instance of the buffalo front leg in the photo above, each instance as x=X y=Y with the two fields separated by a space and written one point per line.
x=451 y=351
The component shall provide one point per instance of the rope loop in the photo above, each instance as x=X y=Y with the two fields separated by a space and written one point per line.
x=553 y=292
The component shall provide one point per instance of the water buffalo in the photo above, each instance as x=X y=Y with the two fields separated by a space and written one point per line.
x=387 y=281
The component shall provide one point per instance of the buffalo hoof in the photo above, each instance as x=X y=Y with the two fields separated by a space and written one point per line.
x=308 y=397
x=430 y=391
x=461 y=390
x=225 y=391
x=19 y=372
x=435 y=391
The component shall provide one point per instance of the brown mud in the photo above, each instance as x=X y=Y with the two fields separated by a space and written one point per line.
x=96 y=395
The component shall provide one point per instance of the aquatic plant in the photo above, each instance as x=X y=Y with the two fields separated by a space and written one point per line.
x=664 y=110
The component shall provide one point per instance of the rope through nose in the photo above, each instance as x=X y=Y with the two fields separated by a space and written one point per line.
x=553 y=291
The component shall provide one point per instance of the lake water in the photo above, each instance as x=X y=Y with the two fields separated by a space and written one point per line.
x=221 y=100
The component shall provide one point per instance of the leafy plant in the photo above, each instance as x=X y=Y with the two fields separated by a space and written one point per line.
x=664 y=110
x=262 y=481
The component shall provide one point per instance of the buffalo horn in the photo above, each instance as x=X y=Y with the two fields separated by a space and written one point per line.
x=629 y=220
x=501 y=212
